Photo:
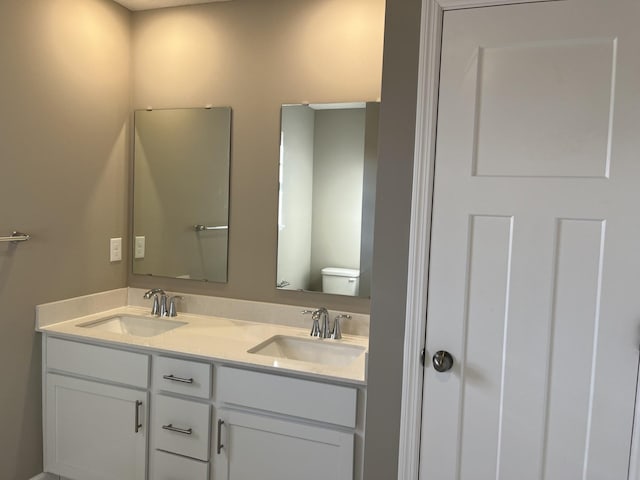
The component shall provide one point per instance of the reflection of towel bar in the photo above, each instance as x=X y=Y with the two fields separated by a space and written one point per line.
x=16 y=237
x=202 y=228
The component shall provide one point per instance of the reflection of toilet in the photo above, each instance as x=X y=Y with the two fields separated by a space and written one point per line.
x=340 y=281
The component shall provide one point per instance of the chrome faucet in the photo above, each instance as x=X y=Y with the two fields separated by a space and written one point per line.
x=173 y=312
x=159 y=306
x=336 y=332
x=317 y=330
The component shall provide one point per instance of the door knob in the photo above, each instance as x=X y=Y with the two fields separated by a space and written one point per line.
x=442 y=361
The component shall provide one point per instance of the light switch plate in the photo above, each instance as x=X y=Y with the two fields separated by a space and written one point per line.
x=115 y=249
x=139 y=247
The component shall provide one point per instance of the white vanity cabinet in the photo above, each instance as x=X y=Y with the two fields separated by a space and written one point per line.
x=112 y=413
x=95 y=429
x=280 y=428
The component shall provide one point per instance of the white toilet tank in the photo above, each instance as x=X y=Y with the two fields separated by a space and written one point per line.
x=341 y=281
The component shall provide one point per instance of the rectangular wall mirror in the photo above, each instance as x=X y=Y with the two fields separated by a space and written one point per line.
x=328 y=161
x=181 y=193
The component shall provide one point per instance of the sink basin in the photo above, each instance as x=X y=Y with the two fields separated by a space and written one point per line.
x=311 y=350
x=136 y=326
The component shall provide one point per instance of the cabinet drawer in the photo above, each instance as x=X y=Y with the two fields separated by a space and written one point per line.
x=182 y=376
x=98 y=362
x=289 y=396
x=182 y=426
x=167 y=466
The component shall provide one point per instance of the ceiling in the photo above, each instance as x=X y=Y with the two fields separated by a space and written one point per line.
x=151 y=4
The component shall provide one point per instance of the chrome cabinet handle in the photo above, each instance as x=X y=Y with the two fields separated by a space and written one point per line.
x=220 y=446
x=442 y=361
x=184 y=431
x=173 y=378
x=137 y=424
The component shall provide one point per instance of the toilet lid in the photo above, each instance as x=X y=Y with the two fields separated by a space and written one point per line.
x=341 y=272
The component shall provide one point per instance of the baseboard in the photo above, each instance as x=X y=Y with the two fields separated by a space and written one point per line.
x=46 y=476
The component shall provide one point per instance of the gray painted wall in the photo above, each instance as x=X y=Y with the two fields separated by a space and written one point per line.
x=391 y=244
x=294 y=235
x=369 y=177
x=64 y=128
x=255 y=56
x=64 y=144
x=338 y=165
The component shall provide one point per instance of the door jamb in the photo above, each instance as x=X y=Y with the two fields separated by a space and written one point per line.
x=421 y=210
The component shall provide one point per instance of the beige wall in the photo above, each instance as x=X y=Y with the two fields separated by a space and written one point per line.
x=255 y=56
x=64 y=101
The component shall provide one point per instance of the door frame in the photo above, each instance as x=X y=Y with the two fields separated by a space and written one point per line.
x=420 y=234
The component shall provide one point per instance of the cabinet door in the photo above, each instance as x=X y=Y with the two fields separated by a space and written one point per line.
x=253 y=446
x=94 y=431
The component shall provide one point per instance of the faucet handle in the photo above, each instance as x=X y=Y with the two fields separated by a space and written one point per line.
x=154 y=291
x=172 y=305
x=315 y=328
x=336 y=333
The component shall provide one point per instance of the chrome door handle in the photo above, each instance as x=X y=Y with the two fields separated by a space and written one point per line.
x=173 y=378
x=442 y=361
x=171 y=428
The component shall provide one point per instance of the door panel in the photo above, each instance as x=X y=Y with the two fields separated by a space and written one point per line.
x=488 y=284
x=534 y=273
x=556 y=73
x=578 y=280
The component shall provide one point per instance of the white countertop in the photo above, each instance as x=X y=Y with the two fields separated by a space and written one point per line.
x=215 y=339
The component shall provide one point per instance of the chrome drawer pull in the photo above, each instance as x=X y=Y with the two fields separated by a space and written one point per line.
x=184 y=431
x=177 y=379
x=137 y=425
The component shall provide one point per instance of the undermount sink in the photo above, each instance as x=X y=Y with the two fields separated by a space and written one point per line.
x=308 y=350
x=136 y=326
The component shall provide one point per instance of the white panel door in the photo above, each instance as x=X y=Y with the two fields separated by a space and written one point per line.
x=535 y=263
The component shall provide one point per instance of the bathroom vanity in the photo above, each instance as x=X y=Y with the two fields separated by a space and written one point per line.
x=197 y=397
